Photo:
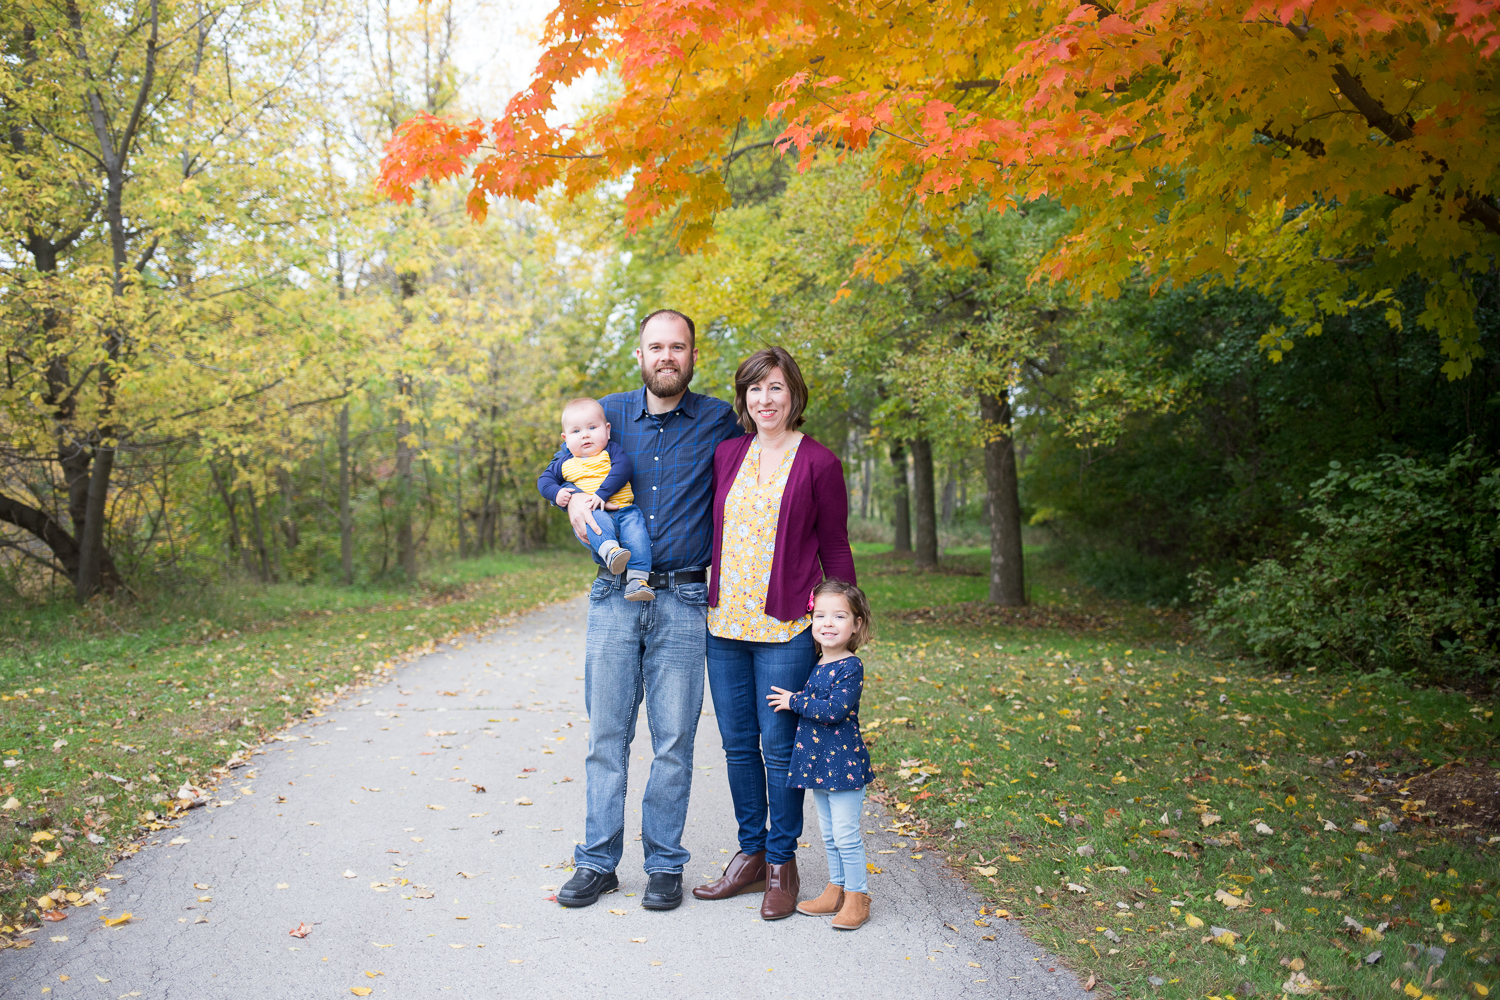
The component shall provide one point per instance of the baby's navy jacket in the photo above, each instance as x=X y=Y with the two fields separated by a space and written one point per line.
x=828 y=753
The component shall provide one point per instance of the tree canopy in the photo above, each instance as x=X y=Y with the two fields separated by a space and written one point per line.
x=1318 y=151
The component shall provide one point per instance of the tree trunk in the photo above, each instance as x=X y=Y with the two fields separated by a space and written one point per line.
x=903 y=498
x=236 y=546
x=92 y=556
x=1007 y=571
x=346 y=517
x=864 y=488
x=264 y=571
x=925 y=505
x=406 y=542
x=458 y=495
x=950 y=493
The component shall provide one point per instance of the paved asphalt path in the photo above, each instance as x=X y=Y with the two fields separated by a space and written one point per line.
x=382 y=787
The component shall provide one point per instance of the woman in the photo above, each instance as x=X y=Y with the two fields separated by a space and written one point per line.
x=780 y=528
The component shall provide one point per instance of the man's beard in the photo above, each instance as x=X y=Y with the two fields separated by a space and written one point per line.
x=665 y=386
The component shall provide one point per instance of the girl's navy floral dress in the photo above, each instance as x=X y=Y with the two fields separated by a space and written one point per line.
x=828 y=753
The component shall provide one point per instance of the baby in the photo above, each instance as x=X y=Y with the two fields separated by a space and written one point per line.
x=623 y=543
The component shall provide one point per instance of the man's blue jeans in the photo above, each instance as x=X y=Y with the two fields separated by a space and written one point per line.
x=625 y=527
x=757 y=739
x=839 y=818
x=651 y=650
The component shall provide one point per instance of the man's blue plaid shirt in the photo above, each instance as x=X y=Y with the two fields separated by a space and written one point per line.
x=673 y=455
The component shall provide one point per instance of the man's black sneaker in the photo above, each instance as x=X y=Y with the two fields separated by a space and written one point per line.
x=584 y=887
x=663 y=892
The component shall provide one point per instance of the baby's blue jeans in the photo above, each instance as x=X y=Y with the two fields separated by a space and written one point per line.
x=625 y=527
x=839 y=817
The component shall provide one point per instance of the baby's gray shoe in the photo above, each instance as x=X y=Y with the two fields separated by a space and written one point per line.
x=616 y=558
x=639 y=590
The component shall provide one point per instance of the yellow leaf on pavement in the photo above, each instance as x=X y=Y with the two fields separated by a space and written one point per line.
x=361 y=991
x=116 y=921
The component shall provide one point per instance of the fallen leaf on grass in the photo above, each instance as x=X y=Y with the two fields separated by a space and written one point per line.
x=1075 y=887
x=988 y=871
x=41 y=835
x=1263 y=830
x=1229 y=899
x=1192 y=921
x=300 y=931
x=1293 y=963
x=116 y=921
x=1091 y=983
x=1209 y=819
x=1299 y=985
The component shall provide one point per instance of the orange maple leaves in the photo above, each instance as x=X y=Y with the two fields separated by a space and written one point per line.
x=1177 y=126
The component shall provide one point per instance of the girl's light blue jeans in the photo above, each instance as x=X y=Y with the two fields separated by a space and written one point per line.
x=839 y=817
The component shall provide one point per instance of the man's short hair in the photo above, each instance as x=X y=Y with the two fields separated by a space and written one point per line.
x=692 y=330
x=579 y=403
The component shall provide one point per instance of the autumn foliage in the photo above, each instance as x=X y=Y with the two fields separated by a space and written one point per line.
x=1320 y=150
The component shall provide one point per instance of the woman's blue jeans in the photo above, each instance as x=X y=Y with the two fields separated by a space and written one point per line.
x=757 y=739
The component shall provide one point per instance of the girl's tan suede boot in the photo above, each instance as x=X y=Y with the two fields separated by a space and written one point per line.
x=824 y=905
x=854 y=912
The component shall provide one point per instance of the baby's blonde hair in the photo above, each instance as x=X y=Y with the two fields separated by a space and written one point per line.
x=579 y=403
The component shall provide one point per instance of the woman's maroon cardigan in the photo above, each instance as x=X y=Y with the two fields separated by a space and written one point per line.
x=812 y=529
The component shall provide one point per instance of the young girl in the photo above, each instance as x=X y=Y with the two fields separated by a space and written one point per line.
x=828 y=756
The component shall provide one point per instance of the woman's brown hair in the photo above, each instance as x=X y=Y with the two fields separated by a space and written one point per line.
x=755 y=368
x=858 y=603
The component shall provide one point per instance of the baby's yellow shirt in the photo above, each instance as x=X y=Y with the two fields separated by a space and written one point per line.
x=590 y=473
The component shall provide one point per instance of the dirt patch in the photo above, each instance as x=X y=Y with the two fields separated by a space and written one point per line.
x=1460 y=794
x=1031 y=617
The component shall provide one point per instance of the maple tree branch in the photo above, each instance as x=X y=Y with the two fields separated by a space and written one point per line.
x=975 y=84
x=1392 y=127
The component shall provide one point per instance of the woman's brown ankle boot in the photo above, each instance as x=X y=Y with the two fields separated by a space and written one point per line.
x=826 y=904
x=854 y=912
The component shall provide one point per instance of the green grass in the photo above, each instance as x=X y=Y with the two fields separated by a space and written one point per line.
x=1011 y=741
x=106 y=711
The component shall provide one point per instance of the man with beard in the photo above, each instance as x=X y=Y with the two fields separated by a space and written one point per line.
x=651 y=651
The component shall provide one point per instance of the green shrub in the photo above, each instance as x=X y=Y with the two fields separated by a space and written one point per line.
x=1401 y=576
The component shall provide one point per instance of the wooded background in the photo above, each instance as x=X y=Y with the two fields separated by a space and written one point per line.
x=229 y=354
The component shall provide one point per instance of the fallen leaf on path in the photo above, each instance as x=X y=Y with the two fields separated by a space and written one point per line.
x=377 y=972
x=478 y=788
x=282 y=885
x=59 y=938
x=421 y=893
x=178 y=841
x=438 y=808
x=375 y=945
x=123 y=918
x=637 y=940
x=467 y=875
x=201 y=885
x=523 y=802
x=618 y=913
x=300 y=931
x=54 y=915
x=349 y=873
x=361 y=991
